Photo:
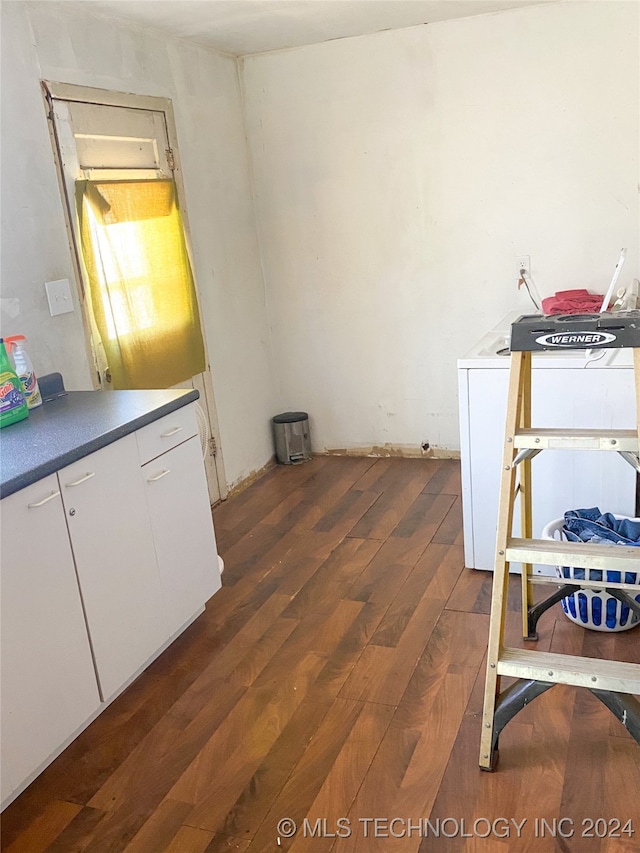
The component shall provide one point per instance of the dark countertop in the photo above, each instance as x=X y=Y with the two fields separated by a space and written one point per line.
x=67 y=428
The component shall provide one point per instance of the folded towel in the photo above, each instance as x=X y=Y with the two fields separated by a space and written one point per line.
x=572 y=302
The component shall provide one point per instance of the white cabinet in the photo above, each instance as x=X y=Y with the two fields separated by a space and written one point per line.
x=102 y=564
x=182 y=526
x=112 y=542
x=567 y=392
x=49 y=687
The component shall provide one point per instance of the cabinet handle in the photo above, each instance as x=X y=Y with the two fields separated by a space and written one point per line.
x=81 y=480
x=159 y=476
x=44 y=500
x=171 y=432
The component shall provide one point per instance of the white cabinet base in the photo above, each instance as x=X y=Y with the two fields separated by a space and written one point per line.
x=103 y=565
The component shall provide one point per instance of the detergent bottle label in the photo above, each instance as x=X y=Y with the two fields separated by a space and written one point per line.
x=13 y=406
x=31 y=390
x=11 y=396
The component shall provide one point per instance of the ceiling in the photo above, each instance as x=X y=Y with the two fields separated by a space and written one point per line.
x=241 y=27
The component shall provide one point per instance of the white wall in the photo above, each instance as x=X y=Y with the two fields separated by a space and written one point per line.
x=399 y=175
x=47 y=40
x=35 y=247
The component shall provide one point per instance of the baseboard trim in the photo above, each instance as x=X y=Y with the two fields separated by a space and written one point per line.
x=250 y=478
x=404 y=451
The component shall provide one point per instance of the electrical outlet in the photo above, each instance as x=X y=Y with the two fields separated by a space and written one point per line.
x=524 y=263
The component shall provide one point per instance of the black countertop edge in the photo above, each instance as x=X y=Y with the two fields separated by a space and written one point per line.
x=83 y=448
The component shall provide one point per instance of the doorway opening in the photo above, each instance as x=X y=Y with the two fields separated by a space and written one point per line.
x=121 y=183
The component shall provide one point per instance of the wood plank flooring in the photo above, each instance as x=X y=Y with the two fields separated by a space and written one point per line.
x=336 y=680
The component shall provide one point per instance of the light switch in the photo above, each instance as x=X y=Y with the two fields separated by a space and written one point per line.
x=59 y=296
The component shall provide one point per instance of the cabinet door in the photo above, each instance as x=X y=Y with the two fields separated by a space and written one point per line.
x=49 y=686
x=112 y=543
x=182 y=530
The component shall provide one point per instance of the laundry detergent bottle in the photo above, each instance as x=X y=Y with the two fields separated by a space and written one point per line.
x=13 y=405
x=24 y=370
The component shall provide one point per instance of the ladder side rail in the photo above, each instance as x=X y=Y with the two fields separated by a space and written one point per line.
x=636 y=382
x=526 y=505
x=520 y=364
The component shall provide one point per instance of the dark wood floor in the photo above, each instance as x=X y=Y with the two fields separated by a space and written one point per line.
x=338 y=675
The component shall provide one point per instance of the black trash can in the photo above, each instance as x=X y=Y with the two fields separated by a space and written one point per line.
x=292 y=437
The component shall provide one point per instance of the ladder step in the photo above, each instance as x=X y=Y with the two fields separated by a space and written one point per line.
x=577 y=439
x=578 y=554
x=597 y=674
x=545 y=580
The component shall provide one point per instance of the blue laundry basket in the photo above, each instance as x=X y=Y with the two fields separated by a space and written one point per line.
x=592 y=608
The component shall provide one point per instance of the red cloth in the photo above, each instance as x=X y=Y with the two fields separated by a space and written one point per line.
x=572 y=302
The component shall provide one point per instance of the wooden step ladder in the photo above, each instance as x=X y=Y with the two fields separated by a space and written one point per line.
x=613 y=682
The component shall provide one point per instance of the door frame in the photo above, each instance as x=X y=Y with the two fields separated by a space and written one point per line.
x=55 y=90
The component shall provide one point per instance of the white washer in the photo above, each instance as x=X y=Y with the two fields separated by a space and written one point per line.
x=568 y=391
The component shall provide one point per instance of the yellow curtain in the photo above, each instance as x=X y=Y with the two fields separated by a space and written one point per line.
x=142 y=288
